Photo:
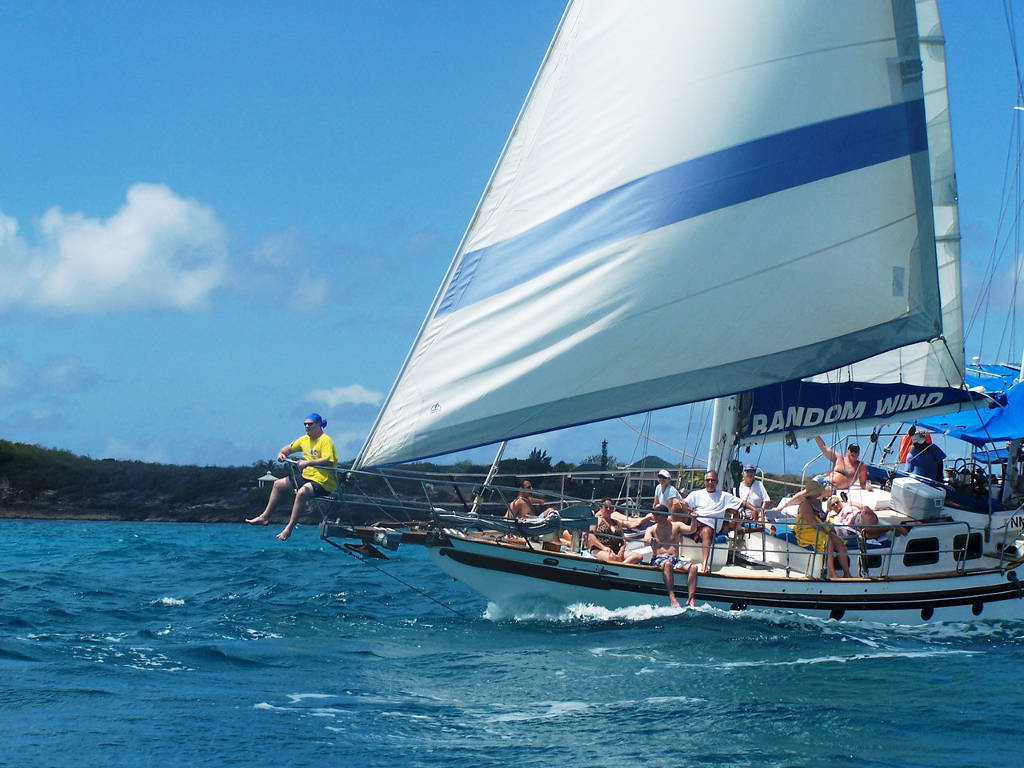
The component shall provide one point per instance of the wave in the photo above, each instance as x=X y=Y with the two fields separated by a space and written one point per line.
x=169 y=601
x=217 y=655
x=869 y=633
x=10 y=654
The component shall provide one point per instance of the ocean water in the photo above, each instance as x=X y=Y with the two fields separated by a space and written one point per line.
x=136 y=644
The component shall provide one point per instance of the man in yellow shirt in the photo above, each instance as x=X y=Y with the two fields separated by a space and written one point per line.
x=317 y=451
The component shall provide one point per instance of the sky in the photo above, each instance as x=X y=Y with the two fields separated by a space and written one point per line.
x=216 y=218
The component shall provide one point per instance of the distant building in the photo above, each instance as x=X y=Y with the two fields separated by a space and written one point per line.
x=267 y=479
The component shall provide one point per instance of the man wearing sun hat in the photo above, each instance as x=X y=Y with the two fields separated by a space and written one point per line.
x=316 y=479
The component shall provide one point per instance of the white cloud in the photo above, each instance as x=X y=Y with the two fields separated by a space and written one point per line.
x=279 y=250
x=356 y=394
x=158 y=251
x=65 y=373
x=308 y=293
x=13 y=374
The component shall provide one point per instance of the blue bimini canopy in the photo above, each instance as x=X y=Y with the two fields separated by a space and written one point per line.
x=986 y=426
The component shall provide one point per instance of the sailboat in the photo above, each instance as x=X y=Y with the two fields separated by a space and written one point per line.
x=672 y=162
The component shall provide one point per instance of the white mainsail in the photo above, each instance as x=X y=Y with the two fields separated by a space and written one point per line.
x=697 y=199
x=938 y=362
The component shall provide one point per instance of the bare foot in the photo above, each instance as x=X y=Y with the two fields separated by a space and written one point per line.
x=673 y=603
x=704 y=568
x=690 y=604
x=258 y=520
x=283 y=535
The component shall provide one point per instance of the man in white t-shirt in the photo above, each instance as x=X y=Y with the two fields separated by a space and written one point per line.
x=709 y=507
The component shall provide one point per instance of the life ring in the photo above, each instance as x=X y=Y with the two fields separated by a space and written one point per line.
x=906 y=441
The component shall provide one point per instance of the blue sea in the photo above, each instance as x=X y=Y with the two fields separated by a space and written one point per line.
x=136 y=644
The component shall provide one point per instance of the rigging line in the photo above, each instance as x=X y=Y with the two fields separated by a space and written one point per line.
x=648 y=439
x=981 y=301
x=1012 y=31
x=396 y=578
x=689 y=425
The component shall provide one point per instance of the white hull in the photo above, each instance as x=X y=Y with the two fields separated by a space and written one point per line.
x=515 y=577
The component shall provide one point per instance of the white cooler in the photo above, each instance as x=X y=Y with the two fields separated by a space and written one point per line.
x=916 y=499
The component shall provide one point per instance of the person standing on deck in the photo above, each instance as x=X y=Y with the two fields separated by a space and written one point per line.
x=317 y=452
x=846 y=470
x=925 y=457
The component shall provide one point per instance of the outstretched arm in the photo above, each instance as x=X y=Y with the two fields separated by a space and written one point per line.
x=827 y=452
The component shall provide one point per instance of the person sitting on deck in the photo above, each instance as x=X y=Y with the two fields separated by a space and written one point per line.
x=606 y=541
x=708 y=506
x=317 y=451
x=810 y=530
x=522 y=505
x=925 y=458
x=753 y=493
x=664 y=538
x=852 y=519
x=846 y=470
x=666 y=494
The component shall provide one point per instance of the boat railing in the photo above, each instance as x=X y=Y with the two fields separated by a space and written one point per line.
x=631 y=489
x=951 y=548
x=403 y=495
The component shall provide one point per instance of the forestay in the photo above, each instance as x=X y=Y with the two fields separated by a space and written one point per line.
x=681 y=173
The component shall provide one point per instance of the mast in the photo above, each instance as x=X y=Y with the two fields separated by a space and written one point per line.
x=724 y=431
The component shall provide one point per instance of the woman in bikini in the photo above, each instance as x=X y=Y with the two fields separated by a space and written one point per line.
x=606 y=540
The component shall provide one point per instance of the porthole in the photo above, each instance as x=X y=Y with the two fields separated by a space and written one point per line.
x=967 y=547
x=924 y=551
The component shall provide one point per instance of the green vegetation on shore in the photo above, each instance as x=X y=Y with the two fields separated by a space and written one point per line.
x=47 y=483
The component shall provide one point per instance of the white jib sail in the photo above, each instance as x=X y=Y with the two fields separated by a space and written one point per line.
x=697 y=198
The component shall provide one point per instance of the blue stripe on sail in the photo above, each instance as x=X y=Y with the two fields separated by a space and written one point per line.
x=692 y=188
